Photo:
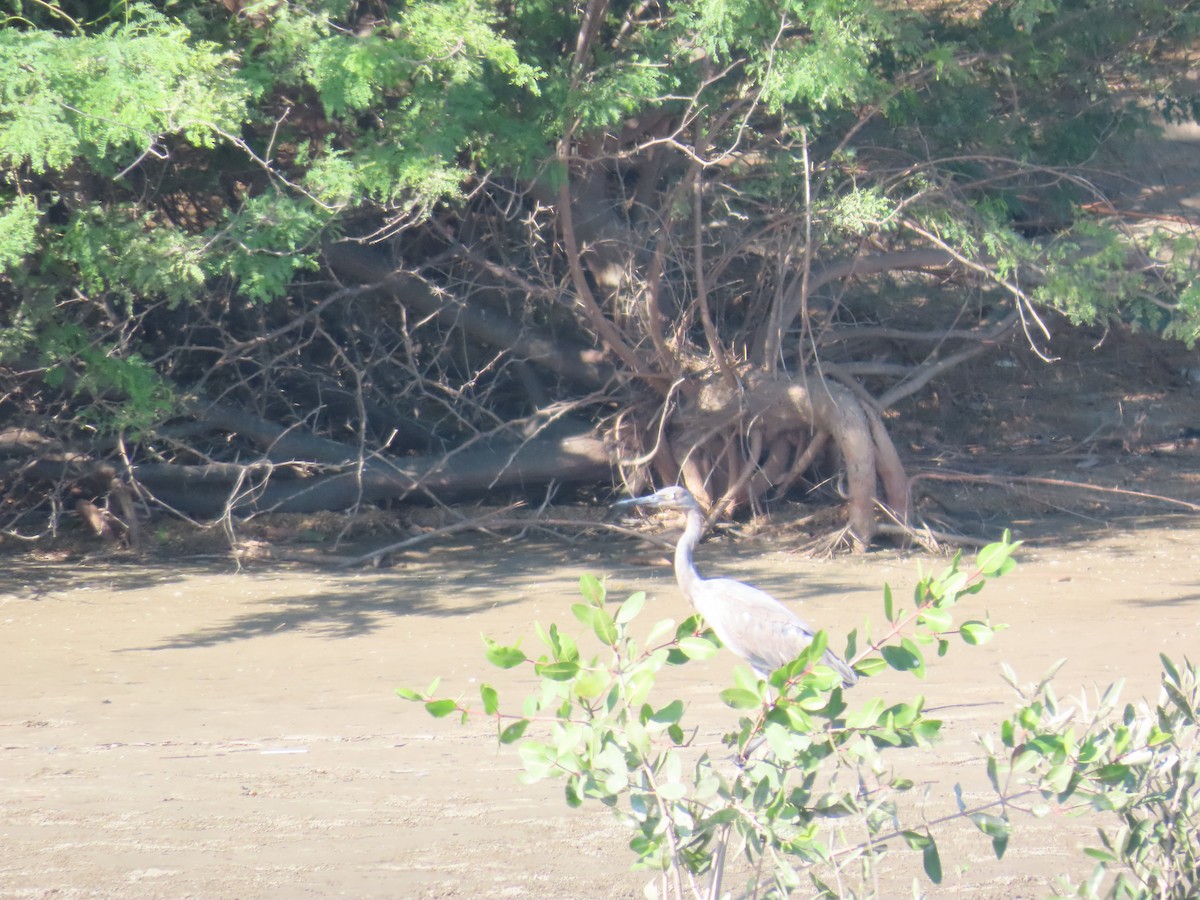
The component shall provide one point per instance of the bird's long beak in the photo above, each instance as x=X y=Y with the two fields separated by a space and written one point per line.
x=633 y=501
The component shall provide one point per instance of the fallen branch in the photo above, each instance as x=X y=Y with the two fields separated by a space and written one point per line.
x=211 y=489
x=1007 y=480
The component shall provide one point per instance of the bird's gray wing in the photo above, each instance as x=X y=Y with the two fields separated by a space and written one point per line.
x=758 y=628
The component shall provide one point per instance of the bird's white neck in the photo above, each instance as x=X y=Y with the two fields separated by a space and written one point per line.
x=685 y=569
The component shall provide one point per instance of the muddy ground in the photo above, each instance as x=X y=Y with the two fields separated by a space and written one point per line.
x=173 y=727
x=187 y=731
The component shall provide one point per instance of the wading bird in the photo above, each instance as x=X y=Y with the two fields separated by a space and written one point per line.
x=750 y=622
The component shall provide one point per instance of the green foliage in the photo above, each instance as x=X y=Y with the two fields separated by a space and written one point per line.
x=835 y=67
x=597 y=723
x=430 y=83
x=81 y=108
x=118 y=393
x=858 y=212
x=178 y=153
x=1088 y=276
x=104 y=98
x=18 y=231
x=1138 y=765
x=271 y=239
x=121 y=253
x=78 y=109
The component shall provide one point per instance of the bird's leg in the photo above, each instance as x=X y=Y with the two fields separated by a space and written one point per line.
x=718 y=864
x=744 y=757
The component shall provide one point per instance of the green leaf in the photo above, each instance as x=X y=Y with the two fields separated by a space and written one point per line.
x=591 y=684
x=503 y=657
x=557 y=671
x=935 y=619
x=707 y=786
x=739 y=698
x=901 y=658
x=932 y=862
x=669 y=714
x=629 y=610
x=952 y=586
x=672 y=790
x=491 y=700
x=887 y=737
x=1025 y=760
x=1169 y=667
x=999 y=845
x=866 y=716
x=816 y=648
x=659 y=630
x=537 y=757
x=692 y=625
x=779 y=739
x=992 y=826
x=409 y=694
x=958 y=798
x=919 y=668
x=916 y=840
x=1113 y=693
x=639 y=687
x=584 y=613
x=697 y=648
x=591 y=589
x=975 y=632
x=1158 y=737
x=798 y=719
x=605 y=628
x=598 y=619
x=927 y=730
x=676 y=657
x=514 y=731
x=904 y=714
x=746 y=679
x=834 y=804
x=888 y=611
x=870 y=666
x=994 y=559
x=574 y=800
x=440 y=708
x=563 y=646
x=1113 y=773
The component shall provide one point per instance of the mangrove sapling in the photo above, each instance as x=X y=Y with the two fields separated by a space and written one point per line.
x=808 y=791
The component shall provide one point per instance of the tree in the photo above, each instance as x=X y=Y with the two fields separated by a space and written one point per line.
x=559 y=238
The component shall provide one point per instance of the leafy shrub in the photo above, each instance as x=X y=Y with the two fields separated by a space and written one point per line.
x=596 y=723
x=1141 y=766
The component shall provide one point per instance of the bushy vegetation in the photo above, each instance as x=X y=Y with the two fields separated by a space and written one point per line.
x=808 y=791
x=406 y=228
x=811 y=788
x=1137 y=765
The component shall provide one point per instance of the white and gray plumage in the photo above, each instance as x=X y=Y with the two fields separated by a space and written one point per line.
x=750 y=622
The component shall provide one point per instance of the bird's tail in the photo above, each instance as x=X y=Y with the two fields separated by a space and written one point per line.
x=835 y=662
